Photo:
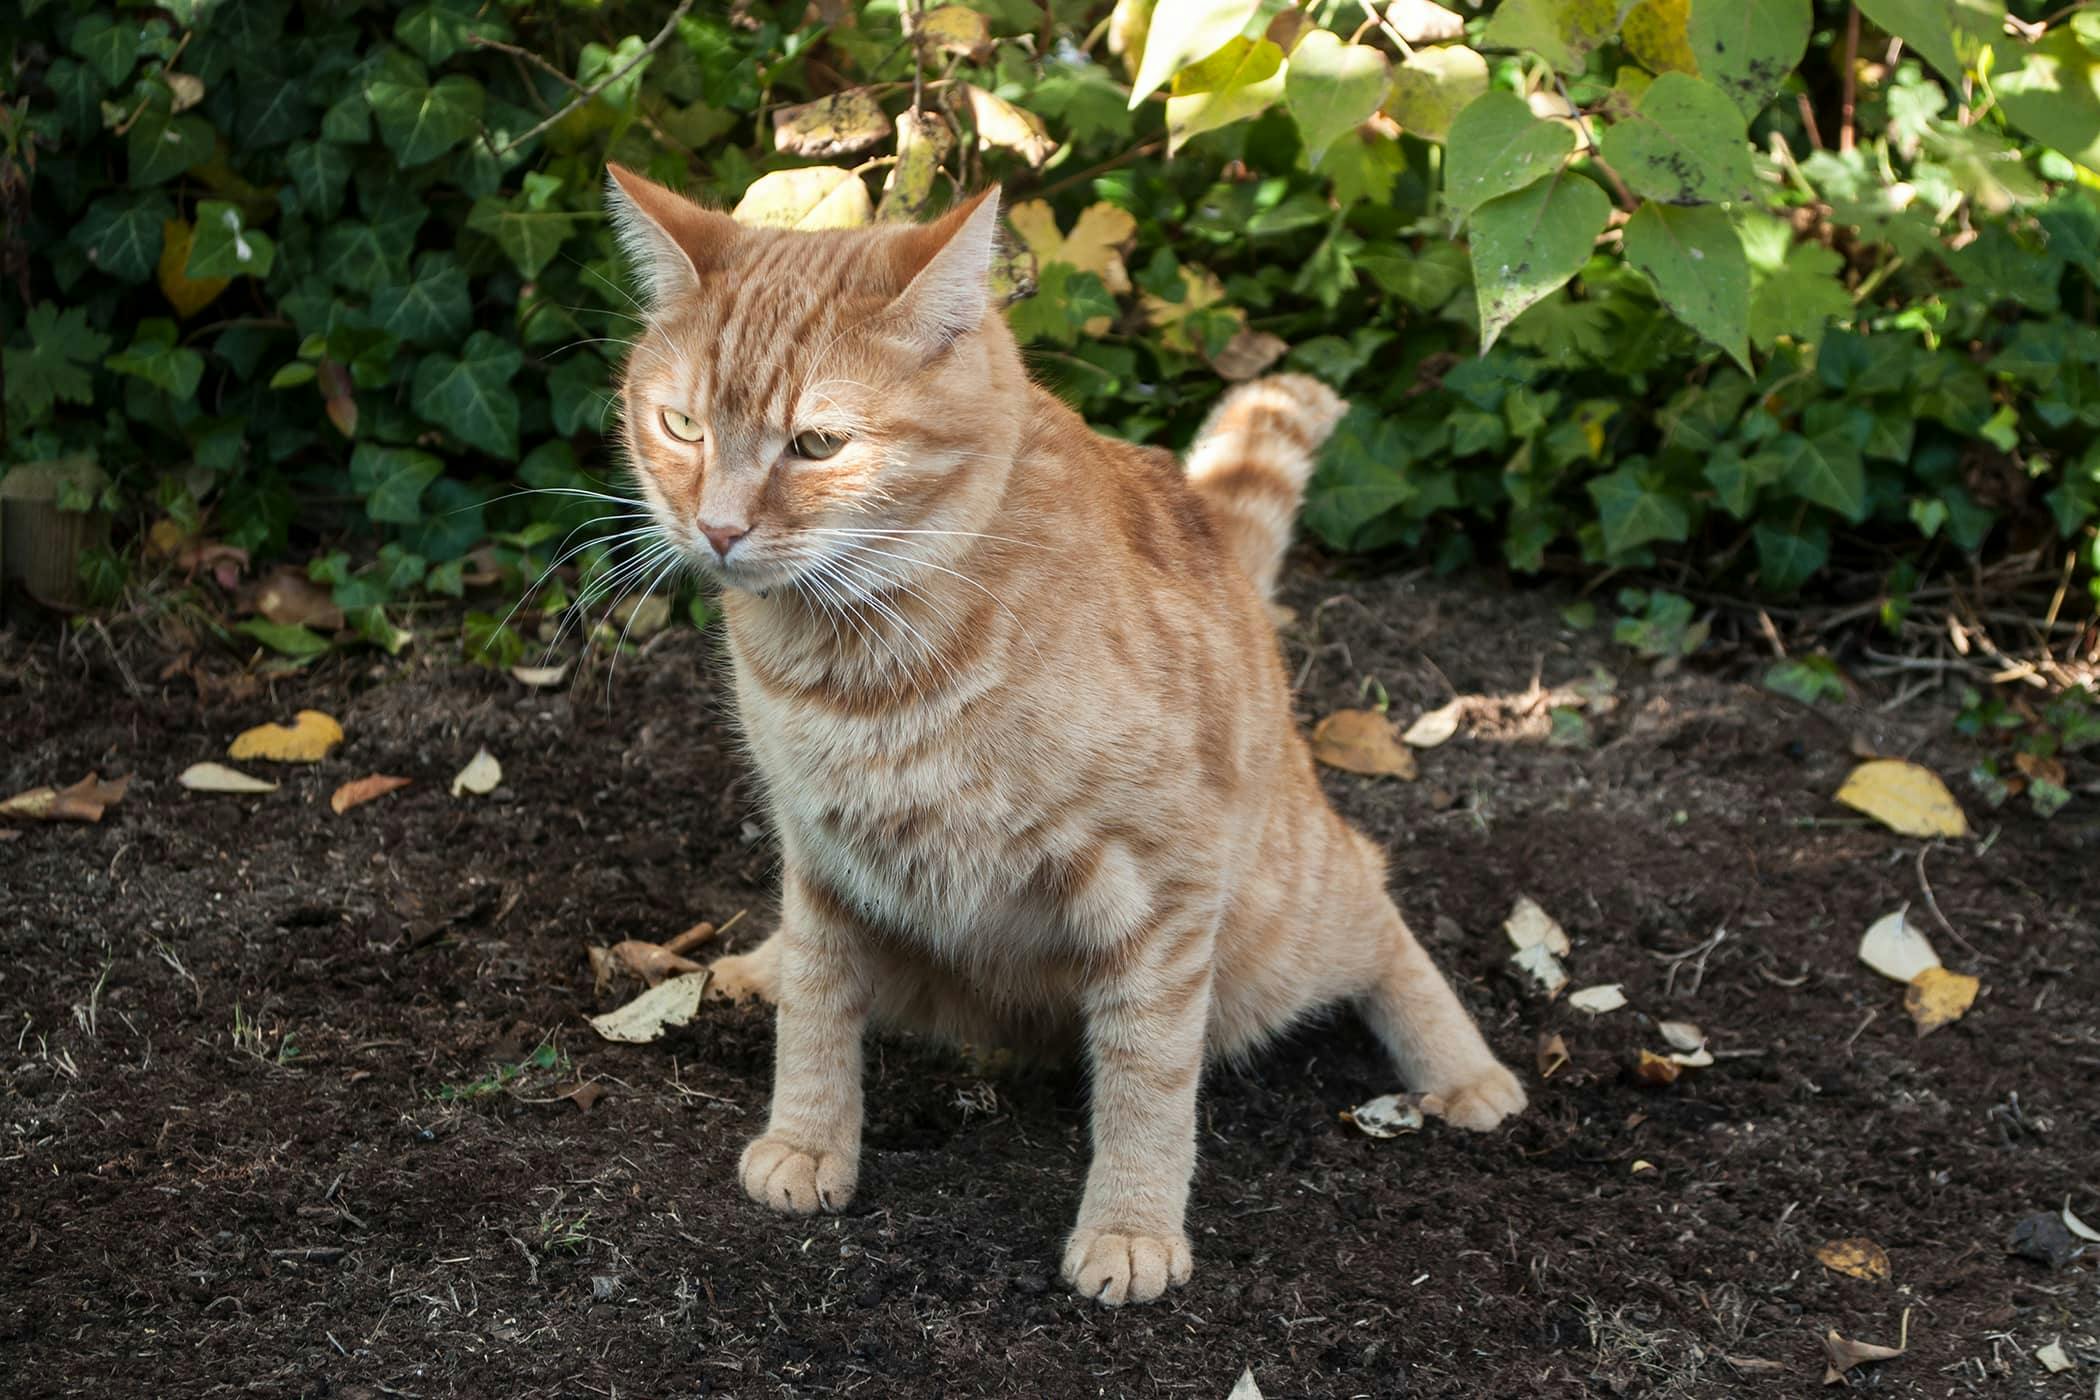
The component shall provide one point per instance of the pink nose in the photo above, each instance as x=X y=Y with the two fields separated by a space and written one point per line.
x=723 y=536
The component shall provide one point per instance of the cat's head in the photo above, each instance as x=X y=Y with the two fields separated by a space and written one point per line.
x=790 y=392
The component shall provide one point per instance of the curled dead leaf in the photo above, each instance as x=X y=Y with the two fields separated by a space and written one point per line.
x=1658 y=1070
x=217 y=777
x=363 y=790
x=1856 y=1256
x=1529 y=925
x=1552 y=1055
x=2078 y=1227
x=480 y=776
x=1904 y=797
x=84 y=801
x=843 y=124
x=290 y=597
x=539 y=677
x=669 y=1003
x=1538 y=963
x=652 y=962
x=1247 y=354
x=1000 y=123
x=1361 y=741
x=307 y=740
x=1937 y=997
x=1844 y=1353
x=1435 y=726
x=1897 y=948
x=1607 y=996
x=1682 y=1035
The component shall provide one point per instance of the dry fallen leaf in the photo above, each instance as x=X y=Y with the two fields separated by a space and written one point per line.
x=290 y=597
x=652 y=962
x=84 y=801
x=1390 y=1115
x=1435 y=727
x=1844 y=1353
x=671 y=1003
x=2041 y=768
x=1896 y=948
x=1552 y=1056
x=1538 y=963
x=1692 y=1059
x=582 y=1095
x=602 y=967
x=1904 y=798
x=1361 y=741
x=480 y=776
x=217 y=777
x=1857 y=1257
x=308 y=740
x=1529 y=925
x=1000 y=123
x=1643 y=1166
x=1607 y=996
x=539 y=677
x=1657 y=1069
x=2078 y=1227
x=1247 y=354
x=1095 y=244
x=1682 y=1035
x=356 y=794
x=1245 y=1388
x=843 y=124
x=1938 y=998
x=2055 y=1360
x=956 y=30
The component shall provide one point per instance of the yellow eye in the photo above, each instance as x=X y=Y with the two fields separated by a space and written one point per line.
x=681 y=427
x=817 y=446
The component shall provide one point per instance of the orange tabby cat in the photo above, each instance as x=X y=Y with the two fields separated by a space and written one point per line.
x=1019 y=710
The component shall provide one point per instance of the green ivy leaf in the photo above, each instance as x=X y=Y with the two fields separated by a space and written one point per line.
x=223 y=246
x=1433 y=85
x=1425 y=280
x=108 y=43
x=1361 y=476
x=529 y=238
x=470 y=396
x=154 y=356
x=121 y=233
x=1948 y=33
x=285 y=638
x=1633 y=512
x=1801 y=299
x=1181 y=32
x=1826 y=469
x=1497 y=147
x=420 y=120
x=1685 y=144
x=578 y=393
x=430 y=308
x=1695 y=262
x=320 y=170
x=1746 y=47
x=161 y=146
x=1240 y=80
x=1331 y=88
x=78 y=89
x=1806 y=678
x=1788 y=558
x=1527 y=243
x=1560 y=31
x=56 y=364
x=392 y=481
x=438 y=29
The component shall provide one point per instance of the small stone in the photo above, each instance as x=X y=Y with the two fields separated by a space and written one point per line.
x=2044 y=1238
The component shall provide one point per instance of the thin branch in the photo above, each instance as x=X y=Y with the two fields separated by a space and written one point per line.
x=1589 y=138
x=1371 y=10
x=1851 y=83
x=584 y=95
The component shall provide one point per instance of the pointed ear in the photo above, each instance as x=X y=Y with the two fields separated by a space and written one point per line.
x=668 y=239
x=949 y=263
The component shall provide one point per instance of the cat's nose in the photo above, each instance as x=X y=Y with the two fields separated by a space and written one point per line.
x=723 y=536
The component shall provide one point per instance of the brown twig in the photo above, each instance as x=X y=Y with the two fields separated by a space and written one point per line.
x=1933 y=904
x=585 y=95
x=1850 y=79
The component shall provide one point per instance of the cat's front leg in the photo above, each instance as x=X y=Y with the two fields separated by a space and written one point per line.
x=809 y=1156
x=1145 y=1030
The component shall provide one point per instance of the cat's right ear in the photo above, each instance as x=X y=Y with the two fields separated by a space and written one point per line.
x=667 y=238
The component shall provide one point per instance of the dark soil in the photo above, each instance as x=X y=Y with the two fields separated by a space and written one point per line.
x=253 y=1145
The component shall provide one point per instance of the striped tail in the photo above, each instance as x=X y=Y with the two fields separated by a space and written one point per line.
x=1251 y=459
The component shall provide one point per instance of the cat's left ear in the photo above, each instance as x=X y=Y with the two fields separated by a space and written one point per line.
x=949 y=263
x=669 y=239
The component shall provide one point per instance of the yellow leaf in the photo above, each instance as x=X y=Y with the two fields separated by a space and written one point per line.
x=1937 y=997
x=956 y=30
x=187 y=295
x=308 y=740
x=1905 y=798
x=1432 y=86
x=1857 y=1257
x=1654 y=32
x=923 y=142
x=1000 y=123
x=1657 y=1069
x=1361 y=741
x=1200 y=289
x=814 y=197
x=839 y=125
x=1094 y=245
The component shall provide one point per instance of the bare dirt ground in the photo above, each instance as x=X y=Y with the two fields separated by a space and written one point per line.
x=263 y=1134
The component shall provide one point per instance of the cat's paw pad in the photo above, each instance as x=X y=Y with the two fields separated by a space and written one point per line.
x=1483 y=1101
x=795 y=1180
x=1117 y=1267
x=744 y=977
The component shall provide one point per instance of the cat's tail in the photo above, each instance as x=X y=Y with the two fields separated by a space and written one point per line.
x=1251 y=459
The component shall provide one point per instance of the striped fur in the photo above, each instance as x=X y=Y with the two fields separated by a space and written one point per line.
x=1026 y=739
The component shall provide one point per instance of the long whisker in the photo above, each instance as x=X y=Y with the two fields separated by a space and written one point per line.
x=649 y=591
x=856 y=547
x=958 y=534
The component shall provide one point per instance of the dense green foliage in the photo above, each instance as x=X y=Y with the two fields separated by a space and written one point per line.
x=334 y=277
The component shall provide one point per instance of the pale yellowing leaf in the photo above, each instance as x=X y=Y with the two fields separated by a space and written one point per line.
x=84 y=801
x=815 y=197
x=186 y=90
x=1905 y=798
x=1424 y=21
x=217 y=777
x=1179 y=32
x=1435 y=727
x=188 y=295
x=955 y=30
x=1937 y=998
x=1000 y=123
x=842 y=124
x=1361 y=741
x=672 y=1002
x=1896 y=948
x=924 y=140
x=1432 y=86
x=1607 y=996
x=1095 y=244
x=1529 y=926
x=1239 y=81
x=1856 y=1257
x=307 y=740
x=539 y=677
x=1200 y=288
x=1655 y=33
x=480 y=776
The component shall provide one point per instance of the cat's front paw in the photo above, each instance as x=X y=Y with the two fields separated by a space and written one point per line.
x=1119 y=1266
x=1481 y=1102
x=741 y=977
x=796 y=1180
